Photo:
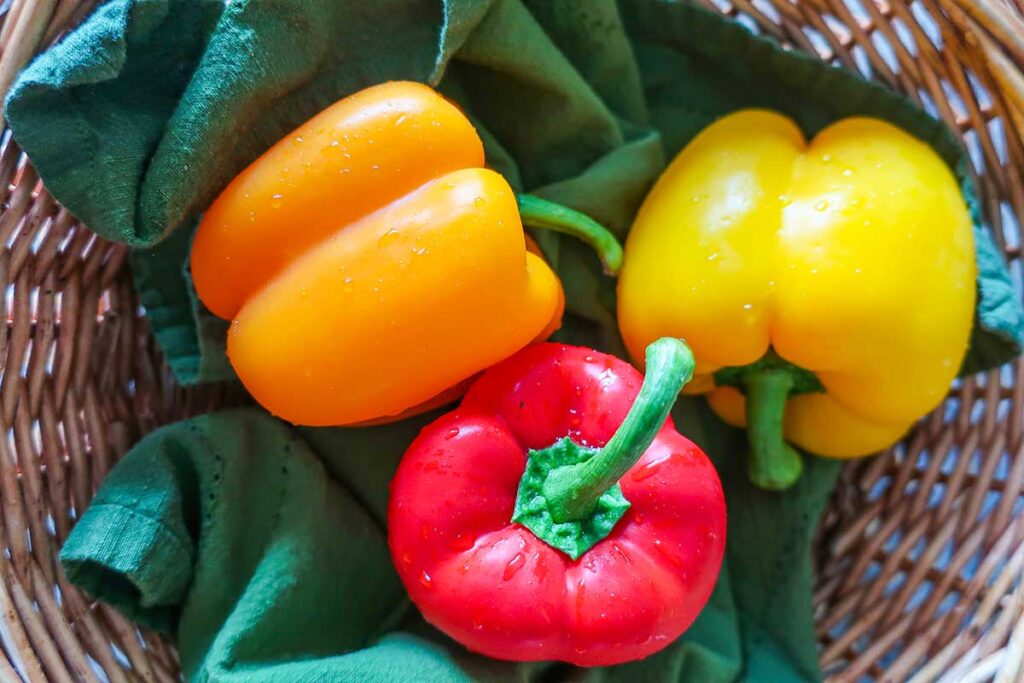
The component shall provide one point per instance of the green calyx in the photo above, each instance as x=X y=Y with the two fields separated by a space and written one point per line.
x=804 y=381
x=540 y=213
x=768 y=384
x=569 y=495
x=572 y=537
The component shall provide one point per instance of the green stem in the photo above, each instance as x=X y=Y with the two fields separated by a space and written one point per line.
x=540 y=213
x=774 y=464
x=573 y=490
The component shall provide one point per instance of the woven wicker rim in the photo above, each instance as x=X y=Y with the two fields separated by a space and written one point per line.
x=921 y=554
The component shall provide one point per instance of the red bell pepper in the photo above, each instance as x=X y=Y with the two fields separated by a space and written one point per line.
x=557 y=514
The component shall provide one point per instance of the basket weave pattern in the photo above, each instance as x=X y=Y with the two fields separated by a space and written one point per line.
x=920 y=557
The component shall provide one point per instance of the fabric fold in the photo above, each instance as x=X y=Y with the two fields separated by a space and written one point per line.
x=260 y=546
x=145 y=573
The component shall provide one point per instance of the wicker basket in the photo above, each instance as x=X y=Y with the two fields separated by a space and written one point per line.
x=921 y=555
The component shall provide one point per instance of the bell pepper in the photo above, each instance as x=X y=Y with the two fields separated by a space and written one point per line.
x=827 y=288
x=558 y=514
x=370 y=264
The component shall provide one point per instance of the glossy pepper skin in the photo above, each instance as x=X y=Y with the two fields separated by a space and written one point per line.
x=493 y=584
x=369 y=263
x=850 y=257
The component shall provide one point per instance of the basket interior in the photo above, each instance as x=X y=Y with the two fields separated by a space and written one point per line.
x=919 y=557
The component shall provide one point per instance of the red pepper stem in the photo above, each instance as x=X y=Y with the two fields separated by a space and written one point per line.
x=540 y=213
x=773 y=464
x=572 y=491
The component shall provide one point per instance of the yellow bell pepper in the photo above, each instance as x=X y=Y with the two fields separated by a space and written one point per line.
x=371 y=265
x=827 y=289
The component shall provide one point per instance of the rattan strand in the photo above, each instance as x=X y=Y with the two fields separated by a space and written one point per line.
x=920 y=557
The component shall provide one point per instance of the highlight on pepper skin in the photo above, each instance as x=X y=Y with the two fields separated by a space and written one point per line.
x=839 y=272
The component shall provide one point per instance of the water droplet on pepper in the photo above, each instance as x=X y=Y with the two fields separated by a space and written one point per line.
x=513 y=566
x=387 y=238
x=461 y=542
x=622 y=553
x=650 y=469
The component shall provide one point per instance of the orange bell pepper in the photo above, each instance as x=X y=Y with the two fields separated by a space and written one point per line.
x=370 y=264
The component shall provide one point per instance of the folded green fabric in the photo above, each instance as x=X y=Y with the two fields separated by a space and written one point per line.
x=232 y=530
x=141 y=116
x=194 y=341
x=262 y=548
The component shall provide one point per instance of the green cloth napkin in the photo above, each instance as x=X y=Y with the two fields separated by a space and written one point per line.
x=139 y=118
x=231 y=530
x=262 y=548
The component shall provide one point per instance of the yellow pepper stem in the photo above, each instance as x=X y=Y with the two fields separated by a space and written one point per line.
x=540 y=213
x=773 y=464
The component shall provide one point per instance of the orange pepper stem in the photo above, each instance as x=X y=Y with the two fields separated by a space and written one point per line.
x=773 y=464
x=540 y=213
